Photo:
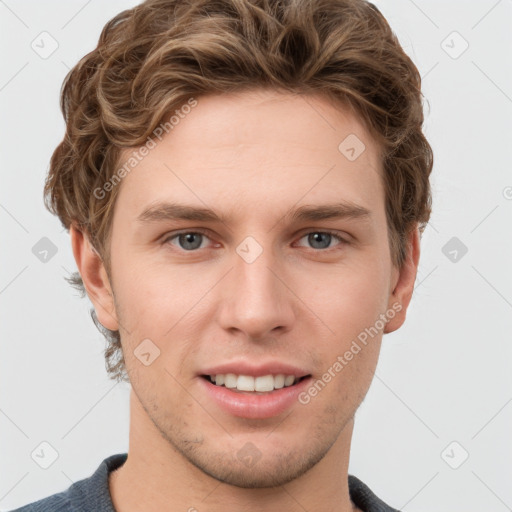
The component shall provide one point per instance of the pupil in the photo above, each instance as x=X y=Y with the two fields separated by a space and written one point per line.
x=313 y=238
x=186 y=240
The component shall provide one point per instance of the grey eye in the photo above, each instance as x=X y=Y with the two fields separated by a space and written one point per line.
x=322 y=239
x=189 y=241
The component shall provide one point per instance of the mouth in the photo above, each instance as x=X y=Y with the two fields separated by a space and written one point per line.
x=254 y=397
x=247 y=384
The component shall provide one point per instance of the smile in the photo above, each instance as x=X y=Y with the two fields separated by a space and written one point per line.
x=248 y=383
x=238 y=401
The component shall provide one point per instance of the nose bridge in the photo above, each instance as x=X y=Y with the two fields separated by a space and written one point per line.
x=257 y=300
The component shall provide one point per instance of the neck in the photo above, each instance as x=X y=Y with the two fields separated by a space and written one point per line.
x=157 y=477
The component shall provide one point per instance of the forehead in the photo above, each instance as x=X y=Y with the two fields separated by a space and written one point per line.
x=257 y=151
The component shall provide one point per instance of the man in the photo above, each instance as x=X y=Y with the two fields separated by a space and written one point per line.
x=245 y=183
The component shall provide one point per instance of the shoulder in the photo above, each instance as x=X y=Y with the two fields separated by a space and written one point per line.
x=364 y=498
x=90 y=493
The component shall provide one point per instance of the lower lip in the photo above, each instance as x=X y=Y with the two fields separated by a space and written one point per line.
x=247 y=405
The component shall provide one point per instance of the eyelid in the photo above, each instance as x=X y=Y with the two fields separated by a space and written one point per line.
x=342 y=240
x=169 y=236
x=334 y=233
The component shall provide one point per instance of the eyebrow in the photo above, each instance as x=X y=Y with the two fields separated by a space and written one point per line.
x=164 y=211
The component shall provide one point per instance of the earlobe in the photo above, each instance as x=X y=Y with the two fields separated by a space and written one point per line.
x=401 y=295
x=95 y=278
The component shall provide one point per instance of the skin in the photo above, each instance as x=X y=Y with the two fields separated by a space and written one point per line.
x=299 y=302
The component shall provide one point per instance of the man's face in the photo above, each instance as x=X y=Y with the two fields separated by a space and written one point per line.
x=256 y=289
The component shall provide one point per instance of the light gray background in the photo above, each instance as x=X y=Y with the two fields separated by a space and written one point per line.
x=445 y=376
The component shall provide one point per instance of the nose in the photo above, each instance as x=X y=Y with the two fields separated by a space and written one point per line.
x=256 y=299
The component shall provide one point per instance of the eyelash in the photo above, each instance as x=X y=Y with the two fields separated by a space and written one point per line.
x=200 y=231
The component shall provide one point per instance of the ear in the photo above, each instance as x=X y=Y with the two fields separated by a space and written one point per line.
x=403 y=283
x=95 y=279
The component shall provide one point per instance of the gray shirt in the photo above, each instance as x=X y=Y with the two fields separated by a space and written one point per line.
x=92 y=494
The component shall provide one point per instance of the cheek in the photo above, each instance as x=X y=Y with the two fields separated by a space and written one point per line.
x=145 y=288
x=349 y=351
x=351 y=298
x=350 y=306
x=165 y=304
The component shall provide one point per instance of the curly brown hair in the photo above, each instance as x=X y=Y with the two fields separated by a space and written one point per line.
x=153 y=58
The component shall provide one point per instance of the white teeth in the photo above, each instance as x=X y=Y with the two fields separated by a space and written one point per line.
x=289 y=380
x=229 y=380
x=264 y=383
x=245 y=383
x=279 y=381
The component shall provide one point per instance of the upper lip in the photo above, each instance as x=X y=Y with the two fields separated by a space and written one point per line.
x=244 y=367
